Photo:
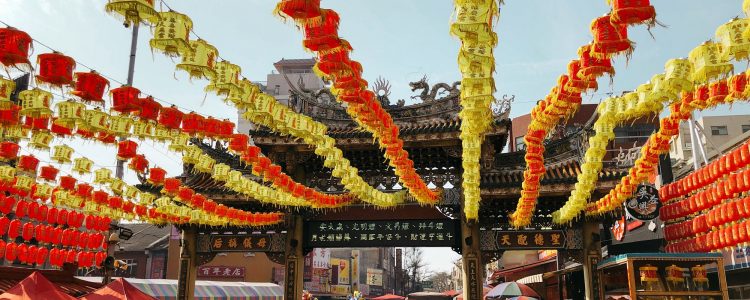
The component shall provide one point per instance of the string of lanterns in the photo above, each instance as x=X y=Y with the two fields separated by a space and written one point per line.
x=704 y=96
x=473 y=25
x=200 y=61
x=594 y=60
x=320 y=27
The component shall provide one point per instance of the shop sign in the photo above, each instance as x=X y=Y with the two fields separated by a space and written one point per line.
x=340 y=289
x=522 y=239
x=321 y=258
x=645 y=203
x=475 y=286
x=401 y=233
x=736 y=258
x=355 y=267
x=618 y=229
x=221 y=271
x=241 y=242
x=290 y=287
x=374 y=277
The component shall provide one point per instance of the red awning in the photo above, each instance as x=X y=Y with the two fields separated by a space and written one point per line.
x=35 y=287
x=118 y=289
x=389 y=297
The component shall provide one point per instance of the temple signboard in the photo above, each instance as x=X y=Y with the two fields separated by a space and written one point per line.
x=400 y=233
x=495 y=240
x=243 y=242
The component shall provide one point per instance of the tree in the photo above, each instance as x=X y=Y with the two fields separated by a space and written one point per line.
x=414 y=265
x=441 y=281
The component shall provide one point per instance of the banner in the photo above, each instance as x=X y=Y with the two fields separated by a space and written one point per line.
x=340 y=289
x=355 y=269
x=343 y=271
x=321 y=258
x=374 y=277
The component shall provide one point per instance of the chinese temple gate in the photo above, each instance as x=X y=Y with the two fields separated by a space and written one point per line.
x=430 y=131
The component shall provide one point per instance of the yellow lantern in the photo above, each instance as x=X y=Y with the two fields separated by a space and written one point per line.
x=234 y=179
x=200 y=62
x=82 y=165
x=120 y=125
x=95 y=119
x=40 y=140
x=172 y=34
x=226 y=79
x=248 y=102
x=24 y=182
x=708 y=63
x=474 y=21
x=237 y=96
x=131 y=192
x=133 y=11
x=102 y=176
x=6 y=89
x=35 y=103
x=678 y=74
x=62 y=154
x=221 y=172
x=7 y=173
x=476 y=64
x=162 y=133
x=15 y=132
x=117 y=186
x=180 y=142
x=205 y=164
x=146 y=198
x=143 y=129
x=191 y=155
x=734 y=43
x=70 y=112
x=43 y=191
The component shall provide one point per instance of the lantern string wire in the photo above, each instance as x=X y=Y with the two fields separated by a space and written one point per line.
x=191 y=29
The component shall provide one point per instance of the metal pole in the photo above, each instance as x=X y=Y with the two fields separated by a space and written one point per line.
x=695 y=144
x=119 y=170
x=700 y=143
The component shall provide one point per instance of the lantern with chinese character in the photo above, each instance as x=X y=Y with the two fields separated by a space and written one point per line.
x=126 y=150
x=172 y=34
x=35 y=103
x=609 y=38
x=170 y=117
x=125 y=99
x=630 y=12
x=205 y=164
x=149 y=109
x=156 y=176
x=102 y=176
x=40 y=140
x=6 y=88
x=138 y=164
x=171 y=186
x=94 y=120
x=734 y=44
x=82 y=165
x=69 y=113
x=8 y=151
x=9 y=115
x=90 y=87
x=55 y=69
x=143 y=129
x=200 y=62
x=14 y=48
x=193 y=123
x=133 y=11
x=708 y=62
x=120 y=125
x=226 y=79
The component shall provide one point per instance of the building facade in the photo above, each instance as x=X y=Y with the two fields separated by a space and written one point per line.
x=333 y=273
x=714 y=132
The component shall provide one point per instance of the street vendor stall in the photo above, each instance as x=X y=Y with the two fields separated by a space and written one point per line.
x=662 y=276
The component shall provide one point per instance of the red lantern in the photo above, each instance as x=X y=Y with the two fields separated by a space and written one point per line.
x=106 y=138
x=55 y=68
x=33 y=210
x=138 y=164
x=170 y=117
x=28 y=163
x=629 y=12
x=28 y=231
x=41 y=256
x=57 y=234
x=226 y=128
x=149 y=109
x=193 y=123
x=60 y=129
x=31 y=257
x=156 y=176
x=718 y=92
x=90 y=87
x=14 y=47
x=67 y=183
x=21 y=209
x=10 y=252
x=211 y=127
x=115 y=202
x=48 y=173
x=126 y=149
x=8 y=151
x=14 y=228
x=185 y=193
x=71 y=257
x=125 y=99
x=299 y=9
x=42 y=216
x=609 y=38
x=4 y=223
x=577 y=83
x=38 y=123
x=62 y=217
x=9 y=115
x=52 y=215
x=171 y=186
x=99 y=258
x=737 y=85
x=84 y=190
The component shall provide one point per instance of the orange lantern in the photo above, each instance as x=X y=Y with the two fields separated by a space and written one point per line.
x=299 y=9
x=630 y=12
x=609 y=39
x=90 y=87
x=55 y=68
x=138 y=164
x=14 y=48
x=156 y=176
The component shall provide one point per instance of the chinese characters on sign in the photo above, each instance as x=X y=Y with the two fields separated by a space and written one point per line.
x=402 y=233
x=475 y=287
x=526 y=239
x=374 y=277
x=645 y=203
x=221 y=271
x=240 y=243
x=290 y=289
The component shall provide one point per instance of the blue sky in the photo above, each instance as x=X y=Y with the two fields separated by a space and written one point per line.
x=399 y=40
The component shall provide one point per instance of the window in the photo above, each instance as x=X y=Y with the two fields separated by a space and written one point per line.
x=719 y=130
x=520 y=145
x=688 y=145
x=276 y=89
x=745 y=128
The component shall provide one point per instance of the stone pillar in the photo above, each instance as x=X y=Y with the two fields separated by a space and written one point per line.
x=473 y=272
x=592 y=255
x=188 y=264
x=295 y=260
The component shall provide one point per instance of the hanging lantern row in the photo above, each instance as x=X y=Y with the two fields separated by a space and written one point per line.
x=321 y=36
x=657 y=144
